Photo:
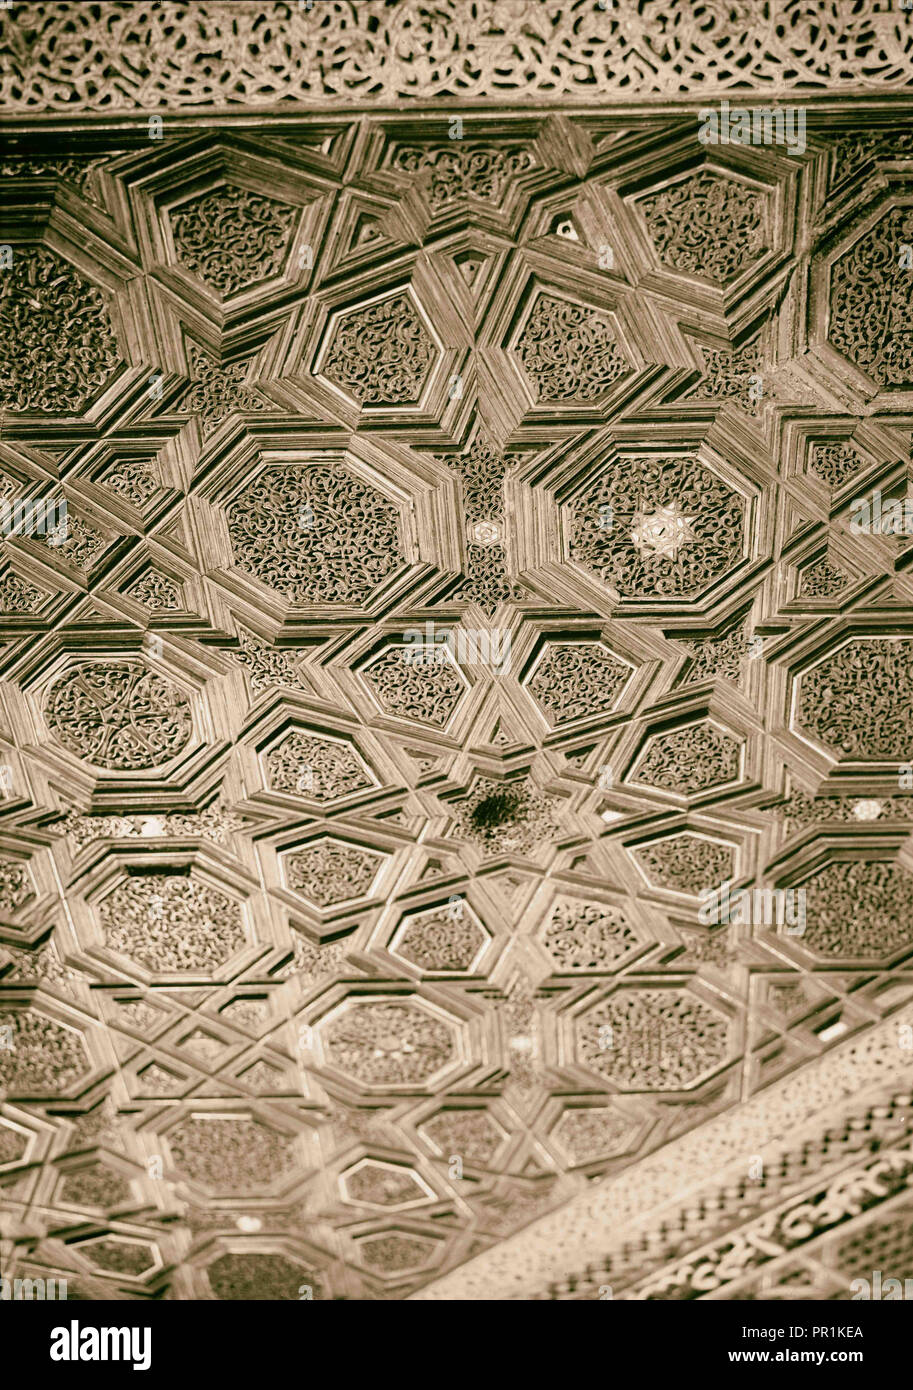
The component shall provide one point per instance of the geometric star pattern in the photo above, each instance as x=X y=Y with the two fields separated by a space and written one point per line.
x=455 y=757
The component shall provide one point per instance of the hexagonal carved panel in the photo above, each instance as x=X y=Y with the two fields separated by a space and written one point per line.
x=569 y=351
x=653 y=1040
x=170 y=921
x=129 y=1258
x=574 y=679
x=498 y=817
x=319 y=768
x=395 y=1254
x=686 y=863
x=707 y=224
x=580 y=935
x=381 y=354
x=232 y=238
x=689 y=760
x=471 y=1133
x=425 y=691
x=442 y=939
x=331 y=872
x=387 y=1042
x=242 y=1277
x=315 y=534
x=587 y=1133
x=383 y=1185
x=40 y=1056
x=858 y=909
x=871 y=302
x=859 y=700
x=60 y=349
x=231 y=1153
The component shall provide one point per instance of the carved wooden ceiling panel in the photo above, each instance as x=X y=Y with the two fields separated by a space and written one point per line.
x=456 y=649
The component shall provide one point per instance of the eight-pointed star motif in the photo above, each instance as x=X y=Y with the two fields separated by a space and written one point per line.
x=662 y=532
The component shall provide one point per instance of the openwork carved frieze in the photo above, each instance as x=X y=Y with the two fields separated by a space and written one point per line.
x=121 y=59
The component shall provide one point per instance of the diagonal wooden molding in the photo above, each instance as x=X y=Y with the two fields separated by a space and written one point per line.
x=579 y=1236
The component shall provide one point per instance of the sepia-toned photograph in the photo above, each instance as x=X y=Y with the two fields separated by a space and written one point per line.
x=456 y=667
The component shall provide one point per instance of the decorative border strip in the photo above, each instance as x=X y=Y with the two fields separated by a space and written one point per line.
x=785 y=1230
x=122 y=55
x=603 y=1217
x=720 y=1215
